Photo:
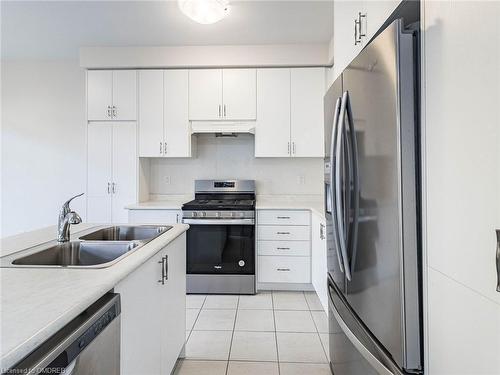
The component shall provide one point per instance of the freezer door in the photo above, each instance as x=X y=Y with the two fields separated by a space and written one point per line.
x=353 y=351
x=384 y=287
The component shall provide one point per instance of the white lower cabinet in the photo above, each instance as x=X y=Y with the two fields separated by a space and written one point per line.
x=284 y=247
x=111 y=171
x=154 y=216
x=319 y=267
x=153 y=320
x=284 y=269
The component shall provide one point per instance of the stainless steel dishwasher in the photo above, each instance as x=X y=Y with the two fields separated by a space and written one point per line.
x=88 y=345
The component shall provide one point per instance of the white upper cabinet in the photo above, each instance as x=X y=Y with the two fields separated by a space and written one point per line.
x=307 y=90
x=163 y=114
x=99 y=94
x=177 y=133
x=112 y=95
x=239 y=91
x=205 y=94
x=222 y=94
x=150 y=113
x=290 y=112
x=272 y=130
x=354 y=23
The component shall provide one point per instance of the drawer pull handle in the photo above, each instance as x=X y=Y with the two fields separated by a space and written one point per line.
x=282 y=217
x=282 y=232
x=283 y=269
x=283 y=248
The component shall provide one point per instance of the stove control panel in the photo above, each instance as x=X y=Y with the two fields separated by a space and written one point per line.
x=218 y=214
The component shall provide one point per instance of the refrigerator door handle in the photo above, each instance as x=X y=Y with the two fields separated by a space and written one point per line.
x=332 y=193
x=367 y=355
x=355 y=172
x=338 y=189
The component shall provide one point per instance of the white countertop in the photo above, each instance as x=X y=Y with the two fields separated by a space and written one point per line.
x=314 y=203
x=37 y=302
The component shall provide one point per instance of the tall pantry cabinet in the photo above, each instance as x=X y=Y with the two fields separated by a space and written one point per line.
x=111 y=145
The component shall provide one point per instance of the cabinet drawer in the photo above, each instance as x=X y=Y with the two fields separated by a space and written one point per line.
x=279 y=269
x=283 y=217
x=283 y=233
x=154 y=216
x=284 y=248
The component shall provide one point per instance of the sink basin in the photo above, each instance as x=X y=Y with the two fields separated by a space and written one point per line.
x=126 y=233
x=79 y=254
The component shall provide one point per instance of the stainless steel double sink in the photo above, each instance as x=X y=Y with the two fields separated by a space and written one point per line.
x=98 y=249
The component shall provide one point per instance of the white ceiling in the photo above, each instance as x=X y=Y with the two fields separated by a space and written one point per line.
x=56 y=30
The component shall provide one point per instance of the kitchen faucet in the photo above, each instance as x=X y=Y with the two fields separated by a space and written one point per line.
x=67 y=217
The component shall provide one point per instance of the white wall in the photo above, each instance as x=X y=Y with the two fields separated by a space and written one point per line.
x=234 y=158
x=43 y=142
x=461 y=141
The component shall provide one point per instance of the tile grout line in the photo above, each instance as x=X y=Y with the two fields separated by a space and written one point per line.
x=317 y=329
x=275 y=333
x=232 y=334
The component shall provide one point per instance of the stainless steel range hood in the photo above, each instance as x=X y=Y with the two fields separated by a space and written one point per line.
x=223 y=127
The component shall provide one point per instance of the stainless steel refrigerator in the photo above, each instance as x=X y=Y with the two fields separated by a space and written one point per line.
x=371 y=185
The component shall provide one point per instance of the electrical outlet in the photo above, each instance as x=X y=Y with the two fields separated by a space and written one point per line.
x=301 y=180
x=167 y=180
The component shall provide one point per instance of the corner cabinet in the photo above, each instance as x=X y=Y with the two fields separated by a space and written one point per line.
x=290 y=112
x=111 y=171
x=153 y=320
x=164 y=129
x=112 y=95
x=222 y=94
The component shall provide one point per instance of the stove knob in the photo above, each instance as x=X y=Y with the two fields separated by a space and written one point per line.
x=194 y=214
x=232 y=214
x=203 y=214
x=217 y=214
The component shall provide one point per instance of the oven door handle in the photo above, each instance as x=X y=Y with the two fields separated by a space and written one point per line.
x=219 y=221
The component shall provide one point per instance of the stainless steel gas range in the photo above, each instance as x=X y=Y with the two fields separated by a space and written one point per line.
x=221 y=237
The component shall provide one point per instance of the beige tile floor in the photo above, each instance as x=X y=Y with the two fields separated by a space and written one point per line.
x=275 y=333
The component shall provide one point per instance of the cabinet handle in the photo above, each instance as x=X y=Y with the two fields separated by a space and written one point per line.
x=109 y=187
x=283 y=269
x=166 y=267
x=282 y=217
x=321 y=231
x=358 y=32
x=282 y=248
x=162 y=262
x=293 y=147
x=113 y=187
x=498 y=260
x=219 y=110
x=109 y=111
x=177 y=218
x=164 y=148
x=161 y=148
x=282 y=232
x=114 y=111
x=288 y=152
x=224 y=110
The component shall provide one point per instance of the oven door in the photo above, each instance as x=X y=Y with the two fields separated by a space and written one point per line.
x=221 y=247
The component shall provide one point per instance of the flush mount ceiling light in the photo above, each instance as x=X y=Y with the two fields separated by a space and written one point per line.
x=204 y=11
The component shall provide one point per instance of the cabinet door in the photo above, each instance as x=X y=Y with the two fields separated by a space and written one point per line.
x=344 y=48
x=377 y=12
x=124 y=169
x=318 y=259
x=272 y=130
x=205 y=94
x=141 y=306
x=177 y=136
x=173 y=319
x=307 y=122
x=99 y=94
x=125 y=95
x=99 y=163
x=150 y=113
x=239 y=88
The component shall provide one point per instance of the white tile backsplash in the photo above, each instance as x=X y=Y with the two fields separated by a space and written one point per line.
x=219 y=158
